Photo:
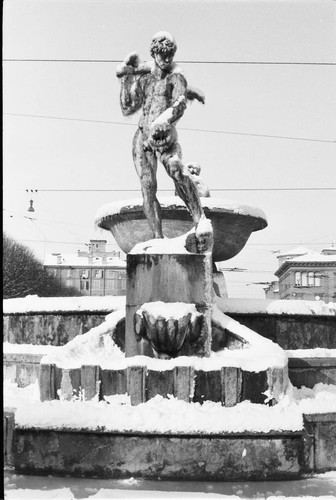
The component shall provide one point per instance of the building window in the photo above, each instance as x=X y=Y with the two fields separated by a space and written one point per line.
x=98 y=273
x=69 y=283
x=96 y=285
x=111 y=274
x=123 y=284
x=304 y=279
x=112 y=285
x=85 y=274
x=69 y=273
x=311 y=279
x=297 y=278
x=307 y=279
x=84 y=285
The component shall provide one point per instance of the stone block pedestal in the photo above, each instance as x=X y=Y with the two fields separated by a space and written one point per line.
x=168 y=278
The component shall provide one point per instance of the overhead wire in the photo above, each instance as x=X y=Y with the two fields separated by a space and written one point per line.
x=116 y=61
x=61 y=190
x=208 y=131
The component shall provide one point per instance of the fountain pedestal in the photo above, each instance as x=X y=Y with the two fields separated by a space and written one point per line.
x=168 y=278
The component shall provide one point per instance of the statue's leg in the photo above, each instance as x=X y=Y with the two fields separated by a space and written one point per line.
x=146 y=165
x=184 y=185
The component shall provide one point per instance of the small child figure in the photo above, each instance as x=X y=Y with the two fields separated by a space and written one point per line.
x=202 y=188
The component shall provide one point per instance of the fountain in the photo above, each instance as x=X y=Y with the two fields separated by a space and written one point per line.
x=178 y=342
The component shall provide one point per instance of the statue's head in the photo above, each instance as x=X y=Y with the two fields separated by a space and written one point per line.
x=162 y=49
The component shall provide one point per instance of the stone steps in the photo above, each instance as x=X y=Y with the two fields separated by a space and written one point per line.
x=229 y=385
x=24 y=369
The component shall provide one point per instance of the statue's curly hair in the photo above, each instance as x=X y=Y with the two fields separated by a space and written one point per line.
x=162 y=43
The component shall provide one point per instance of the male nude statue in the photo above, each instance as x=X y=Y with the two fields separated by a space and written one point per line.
x=161 y=91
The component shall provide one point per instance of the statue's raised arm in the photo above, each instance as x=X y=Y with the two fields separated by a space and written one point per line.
x=129 y=73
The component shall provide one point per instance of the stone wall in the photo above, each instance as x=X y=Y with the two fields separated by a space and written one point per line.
x=49 y=329
x=289 y=331
x=311 y=371
x=292 y=331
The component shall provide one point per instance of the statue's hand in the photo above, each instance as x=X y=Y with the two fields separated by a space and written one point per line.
x=133 y=66
x=132 y=59
x=127 y=67
x=162 y=136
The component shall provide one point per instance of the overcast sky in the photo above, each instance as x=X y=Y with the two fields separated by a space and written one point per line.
x=263 y=126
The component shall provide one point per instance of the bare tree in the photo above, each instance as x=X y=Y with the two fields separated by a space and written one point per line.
x=24 y=274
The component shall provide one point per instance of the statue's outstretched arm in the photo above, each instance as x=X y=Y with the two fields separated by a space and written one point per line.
x=194 y=93
x=179 y=103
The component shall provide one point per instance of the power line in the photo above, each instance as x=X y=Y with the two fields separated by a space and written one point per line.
x=107 y=61
x=66 y=242
x=171 y=190
x=248 y=244
x=209 y=131
x=41 y=220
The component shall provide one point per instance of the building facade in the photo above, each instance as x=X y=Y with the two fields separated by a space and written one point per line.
x=92 y=272
x=305 y=275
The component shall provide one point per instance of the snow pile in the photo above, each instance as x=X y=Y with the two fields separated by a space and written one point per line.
x=15 y=397
x=94 y=347
x=320 y=399
x=162 y=245
x=158 y=415
x=34 y=303
x=169 y=310
x=36 y=494
x=34 y=487
x=204 y=226
x=264 y=306
x=9 y=348
x=260 y=354
x=318 y=352
x=168 y=415
x=214 y=204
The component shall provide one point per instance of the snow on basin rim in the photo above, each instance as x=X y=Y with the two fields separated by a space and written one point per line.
x=34 y=303
x=224 y=205
x=279 y=307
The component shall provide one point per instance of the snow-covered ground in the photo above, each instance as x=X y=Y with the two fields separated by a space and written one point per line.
x=162 y=415
x=322 y=486
x=167 y=415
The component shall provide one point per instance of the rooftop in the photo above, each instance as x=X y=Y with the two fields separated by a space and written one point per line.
x=66 y=260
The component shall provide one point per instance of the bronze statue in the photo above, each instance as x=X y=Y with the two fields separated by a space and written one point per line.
x=160 y=89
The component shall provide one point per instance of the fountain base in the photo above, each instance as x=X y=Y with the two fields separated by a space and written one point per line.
x=225 y=457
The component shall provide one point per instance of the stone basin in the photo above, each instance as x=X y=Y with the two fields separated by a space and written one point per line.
x=232 y=223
